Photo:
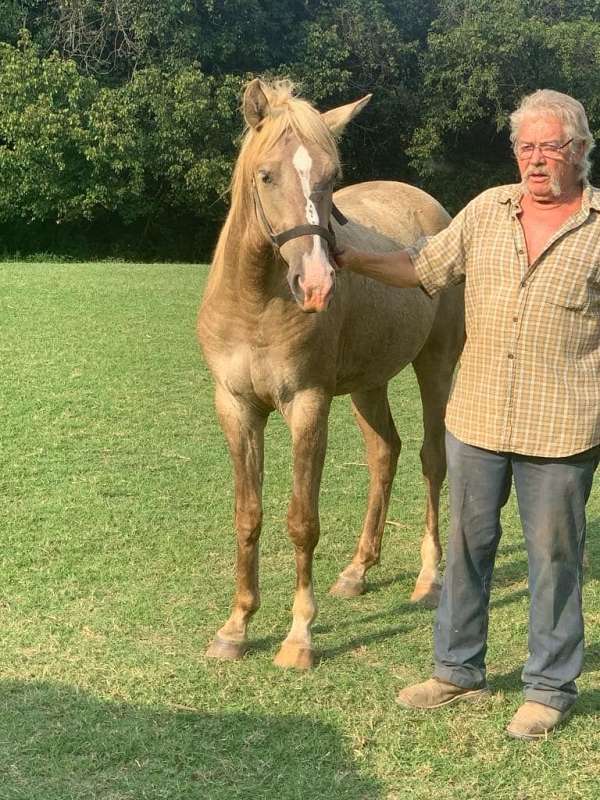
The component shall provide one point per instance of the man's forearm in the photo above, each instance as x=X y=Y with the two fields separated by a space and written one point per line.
x=394 y=268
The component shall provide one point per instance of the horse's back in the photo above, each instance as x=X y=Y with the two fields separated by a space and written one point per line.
x=389 y=210
x=384 y=328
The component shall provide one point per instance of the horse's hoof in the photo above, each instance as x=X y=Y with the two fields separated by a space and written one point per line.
x=226 y=651
x=294 y=656
x=426 y=595
x=346 y=587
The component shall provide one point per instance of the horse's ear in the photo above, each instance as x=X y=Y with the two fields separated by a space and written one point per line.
x=337 y=119
x=256 y=103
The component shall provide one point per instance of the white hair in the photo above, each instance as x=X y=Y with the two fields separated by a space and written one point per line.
x=547 y=102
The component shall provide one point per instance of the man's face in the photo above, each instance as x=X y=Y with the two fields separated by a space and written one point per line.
x=546 y=176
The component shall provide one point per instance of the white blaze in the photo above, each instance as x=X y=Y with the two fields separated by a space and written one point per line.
x=303 y=163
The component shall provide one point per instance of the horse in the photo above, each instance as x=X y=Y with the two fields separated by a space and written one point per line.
x=282 y=330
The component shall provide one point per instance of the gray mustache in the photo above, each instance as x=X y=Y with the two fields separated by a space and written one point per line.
x=540 y=171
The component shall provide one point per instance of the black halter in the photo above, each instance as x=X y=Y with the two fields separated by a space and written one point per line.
x=279 y=239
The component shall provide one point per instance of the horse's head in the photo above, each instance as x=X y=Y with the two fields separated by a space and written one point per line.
x=292 y=164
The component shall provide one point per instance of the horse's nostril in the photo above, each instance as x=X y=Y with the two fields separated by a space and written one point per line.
x=297 y=284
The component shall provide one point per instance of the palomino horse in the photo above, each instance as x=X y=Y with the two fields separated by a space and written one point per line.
x=271 y=266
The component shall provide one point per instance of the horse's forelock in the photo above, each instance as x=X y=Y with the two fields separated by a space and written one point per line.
x=286 y=113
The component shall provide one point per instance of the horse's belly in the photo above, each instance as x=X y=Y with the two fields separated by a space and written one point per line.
x=384 y=330
x=370 y=373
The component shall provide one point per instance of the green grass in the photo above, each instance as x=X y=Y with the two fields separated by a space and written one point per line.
x=116 y=565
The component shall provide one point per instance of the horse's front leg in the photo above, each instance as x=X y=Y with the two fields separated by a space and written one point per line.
x=306 y=416
x=243 y=425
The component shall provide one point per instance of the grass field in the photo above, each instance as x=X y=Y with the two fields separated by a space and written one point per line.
x=116 y=565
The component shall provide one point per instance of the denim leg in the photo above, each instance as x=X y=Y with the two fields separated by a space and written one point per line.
x=552 y=494
x=479 y=483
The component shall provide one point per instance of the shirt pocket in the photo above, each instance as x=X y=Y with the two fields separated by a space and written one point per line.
x=573 y=311
x=580 y=294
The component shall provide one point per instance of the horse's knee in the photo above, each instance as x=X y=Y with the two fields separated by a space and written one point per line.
x=303 y=529
x=385 y=459
x=248 y=524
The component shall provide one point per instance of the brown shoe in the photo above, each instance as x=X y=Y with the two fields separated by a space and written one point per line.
x=436 y=693
x=535 y=721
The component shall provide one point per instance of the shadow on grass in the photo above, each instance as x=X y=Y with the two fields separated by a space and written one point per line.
x=509 y=574
x=513 y=597
x=266 y=643
x=375 y=585
x=412 y=614
x=361 y=641
x=61 y=744
x=402 y=611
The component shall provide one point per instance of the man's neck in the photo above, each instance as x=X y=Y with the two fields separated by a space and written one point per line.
x=551 y=203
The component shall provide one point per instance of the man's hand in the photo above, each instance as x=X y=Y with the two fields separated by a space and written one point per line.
x=345 y=257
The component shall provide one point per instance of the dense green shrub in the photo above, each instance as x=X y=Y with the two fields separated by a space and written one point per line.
x=128 y=158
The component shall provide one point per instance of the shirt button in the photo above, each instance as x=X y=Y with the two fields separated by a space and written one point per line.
x=510 y=355
x=515 y=319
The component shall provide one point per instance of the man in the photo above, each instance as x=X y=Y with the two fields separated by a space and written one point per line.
x=525 y=406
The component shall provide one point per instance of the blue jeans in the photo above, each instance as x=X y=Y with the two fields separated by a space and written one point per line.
x=551 y=494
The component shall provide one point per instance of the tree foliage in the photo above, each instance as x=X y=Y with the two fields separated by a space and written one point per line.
x=119 y=119
x=482 y=57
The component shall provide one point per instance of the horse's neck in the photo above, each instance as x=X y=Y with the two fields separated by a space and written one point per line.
x=242 y=272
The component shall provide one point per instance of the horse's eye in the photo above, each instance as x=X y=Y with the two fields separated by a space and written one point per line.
x=265 y=176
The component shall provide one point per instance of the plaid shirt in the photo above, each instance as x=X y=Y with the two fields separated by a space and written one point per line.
x=529 y=377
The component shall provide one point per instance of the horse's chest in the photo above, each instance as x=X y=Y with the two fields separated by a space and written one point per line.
x=249 y=371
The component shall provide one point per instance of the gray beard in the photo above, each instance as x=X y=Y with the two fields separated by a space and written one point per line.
x=555 y=187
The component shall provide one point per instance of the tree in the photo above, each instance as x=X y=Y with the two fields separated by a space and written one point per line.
x=43 y=106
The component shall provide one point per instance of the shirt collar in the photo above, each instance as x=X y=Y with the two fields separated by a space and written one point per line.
x=510 y=194
x=592 y=195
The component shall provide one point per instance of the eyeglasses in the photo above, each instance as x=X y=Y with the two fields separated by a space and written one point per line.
x=525 y=150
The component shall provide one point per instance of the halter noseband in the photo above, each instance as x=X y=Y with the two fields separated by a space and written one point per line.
x=279 y=239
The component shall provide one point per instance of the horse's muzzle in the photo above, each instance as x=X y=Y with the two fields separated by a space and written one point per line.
x=313 y=289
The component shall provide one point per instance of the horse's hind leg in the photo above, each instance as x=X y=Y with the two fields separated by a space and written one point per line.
x=307 y=418
x=244 y=428
x=374 y=418
x=434 y=370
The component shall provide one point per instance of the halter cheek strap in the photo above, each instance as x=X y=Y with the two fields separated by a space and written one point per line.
x=279 y=239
